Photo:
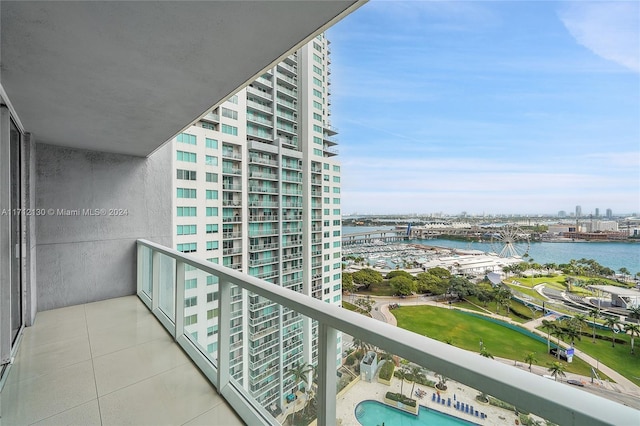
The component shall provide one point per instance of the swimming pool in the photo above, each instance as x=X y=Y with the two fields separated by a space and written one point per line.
x=374 y=413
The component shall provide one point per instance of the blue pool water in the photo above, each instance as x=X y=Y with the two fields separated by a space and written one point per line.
x=374 y=413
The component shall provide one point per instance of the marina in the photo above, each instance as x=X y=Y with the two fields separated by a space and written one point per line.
x=614 y=255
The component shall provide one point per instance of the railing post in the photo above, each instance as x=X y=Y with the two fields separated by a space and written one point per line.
x=224 y=333
x=140 y=265
x=179 y=302
x=327 y=343
x=155 y=268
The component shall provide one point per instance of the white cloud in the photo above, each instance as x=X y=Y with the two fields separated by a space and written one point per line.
x=609 y=29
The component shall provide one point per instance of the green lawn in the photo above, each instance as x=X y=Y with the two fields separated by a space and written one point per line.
x=465 y=331
x=618 y=358
x=382 y=289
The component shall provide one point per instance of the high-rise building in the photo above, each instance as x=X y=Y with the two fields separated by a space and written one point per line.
x=578 y=211
x=597 y=212
x=257 y=189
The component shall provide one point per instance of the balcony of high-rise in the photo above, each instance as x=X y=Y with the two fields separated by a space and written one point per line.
x=108 y=326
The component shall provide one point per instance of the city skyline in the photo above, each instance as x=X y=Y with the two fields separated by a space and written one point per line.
x=494 y=107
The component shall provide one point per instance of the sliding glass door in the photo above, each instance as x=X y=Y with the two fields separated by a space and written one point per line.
x=16 y=234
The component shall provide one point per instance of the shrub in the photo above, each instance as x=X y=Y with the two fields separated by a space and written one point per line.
x=401 y=398
x=386 y=371
x=351 y=359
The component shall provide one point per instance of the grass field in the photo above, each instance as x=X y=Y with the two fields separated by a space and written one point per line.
x=618 y=358
x=464 y=331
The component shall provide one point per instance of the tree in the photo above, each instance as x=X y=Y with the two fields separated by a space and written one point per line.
x=557 y=369
x=578 y=321
x=364 y=304
x=402 y=374
x=300 y=373
x=439 y=272
x=417 y=374
x=559 y=333
x=403 y=285
x=613 y=323
x=461 y=287
x=548 y=326
x=634 y=312
x=595 y=313
x=367 y=277
x=362 y=345
x=442 y=382
x=634 y=330
x=428 y=283
x=347 y=282
x=399 y=273
x=530 y=359
x=572 y=334
x=624 y=272
x=502 y=295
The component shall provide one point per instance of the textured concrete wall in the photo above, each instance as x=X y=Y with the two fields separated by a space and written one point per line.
x=29 y=225
x=83 y=258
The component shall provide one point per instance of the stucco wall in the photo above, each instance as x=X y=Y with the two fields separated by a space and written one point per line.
x=84 y=258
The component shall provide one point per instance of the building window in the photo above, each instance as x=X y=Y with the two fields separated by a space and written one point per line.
x=336 y=298
x=317 y=70
x=229 y=113
x=186 y=211
x=212 y=313
x=212 y=228
x=190 y=284
x=190 y=301
x=191 y=319
x=213 y=260
x=211 y=297
x=210 y=160
x=336 y=169
x=336 y=201
x=336 y=212
x=211 y=177
x=317 y=128
x=211 y=280
x=317 y=81
x=212 y=245
x=336 y=244
x=317 y=93
x=336 y=233
x=317 y=151
x=212 y=211
x=317 y=140
x=317 y=58
x=326 y=200
x=186 y=138
x=336 y=179
x=185 y=174
x=186 y=193
x=336 y=190
x=229 y=130
x=189 y=157
x=233 y=99
x=188 y=247
x=317 y=116
x=337 y=223
x=336 y=287
x=317 y=105
x=187 y=230
x=211 y=143
x=212 y=194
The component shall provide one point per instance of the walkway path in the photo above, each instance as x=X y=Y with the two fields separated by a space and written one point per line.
x=605 y=389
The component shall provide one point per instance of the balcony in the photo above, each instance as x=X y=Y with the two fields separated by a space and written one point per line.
x=108 y=362
x=164 y=294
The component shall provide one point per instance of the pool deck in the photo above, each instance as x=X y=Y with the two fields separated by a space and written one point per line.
x=363 y=391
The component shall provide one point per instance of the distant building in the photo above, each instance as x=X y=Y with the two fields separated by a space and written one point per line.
x=578 y=211
x=562 y=213
x=609 y=214
x=597 y=212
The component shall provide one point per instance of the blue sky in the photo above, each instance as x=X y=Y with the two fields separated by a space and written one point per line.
x=494 y=107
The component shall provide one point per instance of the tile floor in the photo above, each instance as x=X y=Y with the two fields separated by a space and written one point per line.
x=106 y=363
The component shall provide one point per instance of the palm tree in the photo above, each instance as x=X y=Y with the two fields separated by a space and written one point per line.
x=634 y=312
x=417 y=374
x=300 y=374
x=557 y=369
x=442 y=382
x=579 y=320
x=595 y=313
x=559 y=333
x=402 y=374
x=634 y=330
x=530 y=359
x=571 y=333
x=612 y=323
x=549 y=326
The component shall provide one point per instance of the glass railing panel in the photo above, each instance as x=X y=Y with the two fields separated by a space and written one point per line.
x=281 y=377
x=146 y=272
x=166 y=285
x=200 y=325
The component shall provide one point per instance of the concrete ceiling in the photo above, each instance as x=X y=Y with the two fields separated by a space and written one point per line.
x=125 y=77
